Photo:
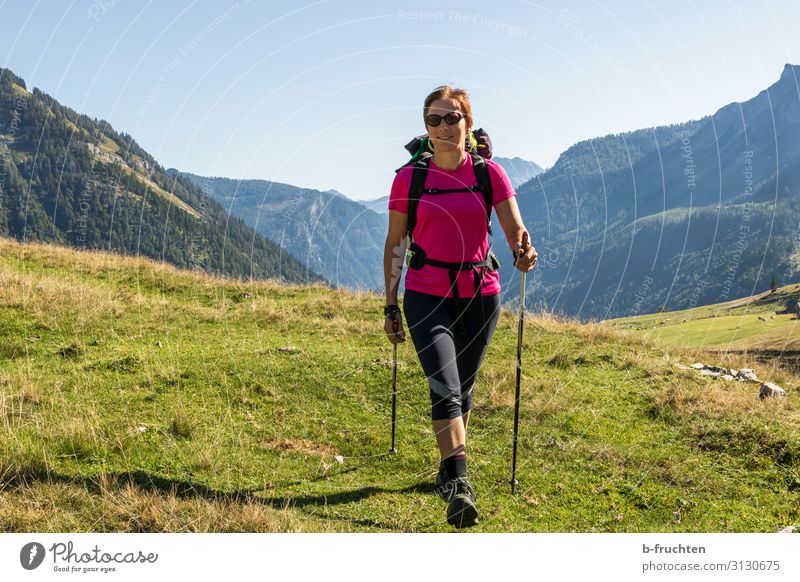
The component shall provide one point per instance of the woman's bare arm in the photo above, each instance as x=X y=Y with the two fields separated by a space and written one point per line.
x=394 y=252
x=511 y=220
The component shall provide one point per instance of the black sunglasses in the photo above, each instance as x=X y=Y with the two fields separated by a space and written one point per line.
x=451 y=118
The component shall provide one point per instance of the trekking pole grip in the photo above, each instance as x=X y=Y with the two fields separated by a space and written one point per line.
x=520 y=246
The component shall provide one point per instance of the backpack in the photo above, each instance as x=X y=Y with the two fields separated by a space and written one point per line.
x=479 y=147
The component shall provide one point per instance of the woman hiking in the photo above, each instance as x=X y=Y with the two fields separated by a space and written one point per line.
x=439 y=206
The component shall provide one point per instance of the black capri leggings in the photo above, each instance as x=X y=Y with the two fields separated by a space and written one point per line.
x=450 y=361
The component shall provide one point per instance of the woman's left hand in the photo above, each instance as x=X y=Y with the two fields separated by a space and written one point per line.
x=526 y=257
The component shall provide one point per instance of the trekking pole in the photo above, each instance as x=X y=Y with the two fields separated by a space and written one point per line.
x=519 y=361
x=394 y=386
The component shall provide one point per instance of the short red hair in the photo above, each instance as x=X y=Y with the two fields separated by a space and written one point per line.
x=449 y=92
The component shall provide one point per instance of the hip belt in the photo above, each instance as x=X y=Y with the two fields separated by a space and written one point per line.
x=416 y=259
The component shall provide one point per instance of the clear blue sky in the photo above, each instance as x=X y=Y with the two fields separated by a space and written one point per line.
x=325 y=94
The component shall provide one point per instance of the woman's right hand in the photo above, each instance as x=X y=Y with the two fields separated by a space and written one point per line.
x=394 y=328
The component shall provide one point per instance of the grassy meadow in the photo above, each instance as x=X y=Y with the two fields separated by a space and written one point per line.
x=760 y=326
x=137 y=397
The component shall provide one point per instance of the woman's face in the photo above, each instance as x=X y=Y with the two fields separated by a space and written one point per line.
x=447 y=137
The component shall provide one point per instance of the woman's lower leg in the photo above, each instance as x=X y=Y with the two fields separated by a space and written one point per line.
x=451 y=436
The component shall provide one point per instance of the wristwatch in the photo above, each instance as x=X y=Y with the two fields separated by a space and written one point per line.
x=390 y=310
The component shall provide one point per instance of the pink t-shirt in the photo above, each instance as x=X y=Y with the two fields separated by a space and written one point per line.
x=452 y=226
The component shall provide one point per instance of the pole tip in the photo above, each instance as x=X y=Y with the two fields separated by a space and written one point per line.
x=393 y=450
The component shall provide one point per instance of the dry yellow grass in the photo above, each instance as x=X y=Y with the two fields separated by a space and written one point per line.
x=725 y=399
x=49 y=299
x=97 y=263
x=75 y=291
x=19 y=394
x=40 y=503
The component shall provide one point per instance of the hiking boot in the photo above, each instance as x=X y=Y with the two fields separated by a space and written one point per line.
x=441 y=482
x=461 y=510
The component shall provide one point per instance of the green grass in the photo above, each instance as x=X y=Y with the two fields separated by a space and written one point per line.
x=757 y=322
x=136 y=397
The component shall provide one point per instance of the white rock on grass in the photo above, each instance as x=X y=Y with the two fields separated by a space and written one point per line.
x=698 y=366
x=747 y=374
x=711 y=373
x=770 y=390
x=726 y=377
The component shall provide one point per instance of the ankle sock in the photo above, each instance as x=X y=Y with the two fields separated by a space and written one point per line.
x=456 y=466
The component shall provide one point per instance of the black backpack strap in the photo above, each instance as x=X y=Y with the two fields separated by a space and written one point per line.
x=481 y=169
x=415 y=190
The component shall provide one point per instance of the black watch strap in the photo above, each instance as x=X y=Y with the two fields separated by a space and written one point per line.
x=390 y=310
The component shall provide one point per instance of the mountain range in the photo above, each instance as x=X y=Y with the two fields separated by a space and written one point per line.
x=660 y=218
x=671 y=217
x=72 y=180
x=338 y=237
